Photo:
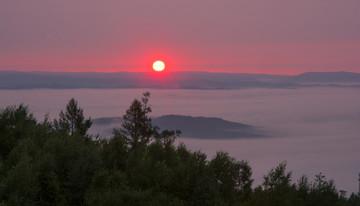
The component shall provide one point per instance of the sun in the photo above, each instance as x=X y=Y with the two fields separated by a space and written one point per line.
x=158 y=66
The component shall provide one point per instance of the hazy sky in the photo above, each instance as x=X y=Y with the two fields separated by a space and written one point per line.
x=254 y=36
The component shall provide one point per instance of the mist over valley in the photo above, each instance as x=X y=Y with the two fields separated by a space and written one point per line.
x=314 y=129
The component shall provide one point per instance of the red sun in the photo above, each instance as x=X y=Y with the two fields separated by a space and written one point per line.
x=158 y=66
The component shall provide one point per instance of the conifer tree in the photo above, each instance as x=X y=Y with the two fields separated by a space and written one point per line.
x=72 y=120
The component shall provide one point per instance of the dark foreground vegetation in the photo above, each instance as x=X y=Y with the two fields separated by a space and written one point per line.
x=59 y=163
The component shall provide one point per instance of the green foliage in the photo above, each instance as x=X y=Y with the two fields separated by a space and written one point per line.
x=72 y=120
x=57 y=163
x=74 y=162
x=114 y=152
x=108 y=188
x=323 y=192
x=277 y=185
x=233 y=177
x=354 y=200
x=19 y=187
x=277 y=179
x=16 y=123
x=137 y=127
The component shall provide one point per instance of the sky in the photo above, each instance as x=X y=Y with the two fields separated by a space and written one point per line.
x=244 y=36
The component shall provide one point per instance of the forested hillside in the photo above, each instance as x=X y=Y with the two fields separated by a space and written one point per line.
x=56 y=162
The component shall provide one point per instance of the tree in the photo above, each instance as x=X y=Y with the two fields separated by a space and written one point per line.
x=53 y=164
x=137 y=127
x=74 y=161
x=303 y=188
x=114 y=151
x=16 y=123
x=72 y=120
x=323 y=192
x=233 y=177
x=354 y=200
x=277 y=185
x=277 y=178
x=192 y=179
x=19 y=187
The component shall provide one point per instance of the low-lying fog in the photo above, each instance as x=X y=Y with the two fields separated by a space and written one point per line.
x=313 y=129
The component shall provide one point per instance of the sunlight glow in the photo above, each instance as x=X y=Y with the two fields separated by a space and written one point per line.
x=159 y=66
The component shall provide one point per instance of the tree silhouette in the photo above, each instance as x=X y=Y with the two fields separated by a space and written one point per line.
x=53 y=164
x=277 y=185
x=232 y=176
x=72 y=120
x=16 y=123
x=137 y=127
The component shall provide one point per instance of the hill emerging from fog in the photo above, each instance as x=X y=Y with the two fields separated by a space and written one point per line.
x=191 y=127
x=172 y=80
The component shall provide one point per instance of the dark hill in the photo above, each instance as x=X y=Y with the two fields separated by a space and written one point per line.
x=191 y=127
x=326 y=77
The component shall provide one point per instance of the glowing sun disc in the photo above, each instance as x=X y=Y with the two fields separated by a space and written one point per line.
x=158 y=66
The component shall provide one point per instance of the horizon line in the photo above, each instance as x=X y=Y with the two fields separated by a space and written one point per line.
x=177 y=71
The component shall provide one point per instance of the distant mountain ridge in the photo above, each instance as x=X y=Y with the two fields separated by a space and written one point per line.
x=172 y=80
x=321 y=77
x=191 y=127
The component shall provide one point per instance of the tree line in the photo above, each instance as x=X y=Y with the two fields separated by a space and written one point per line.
x=59 y=163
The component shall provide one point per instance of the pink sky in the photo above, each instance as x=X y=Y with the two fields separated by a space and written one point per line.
x=251 y=36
